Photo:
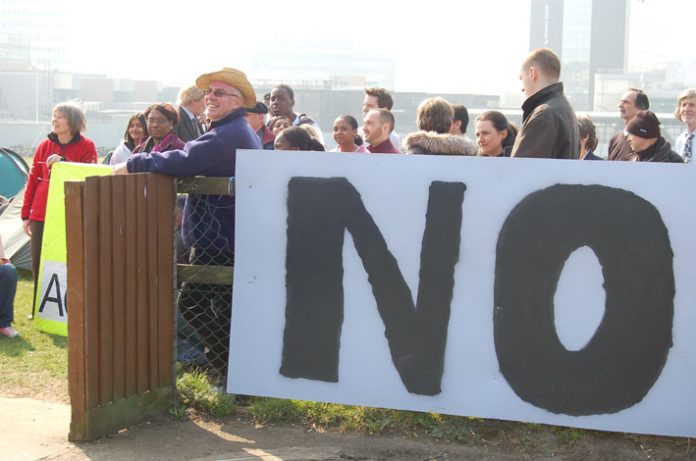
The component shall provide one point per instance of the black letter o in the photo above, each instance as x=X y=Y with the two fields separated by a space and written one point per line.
x=624 y=358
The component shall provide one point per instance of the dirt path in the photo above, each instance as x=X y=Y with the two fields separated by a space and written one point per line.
x=37 y=430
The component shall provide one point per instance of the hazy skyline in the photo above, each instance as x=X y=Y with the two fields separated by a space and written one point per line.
x=463 y=47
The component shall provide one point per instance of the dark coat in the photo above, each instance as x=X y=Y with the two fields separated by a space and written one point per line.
x=549 y=127
x=592 y=156
x=429 y=142
x=212 y=154
x=267 y=137
x=620 y=149
x=170 y=142
x=186 y=128
x=661 y=151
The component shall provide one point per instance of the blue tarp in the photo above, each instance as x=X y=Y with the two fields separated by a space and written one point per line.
x=13 y=173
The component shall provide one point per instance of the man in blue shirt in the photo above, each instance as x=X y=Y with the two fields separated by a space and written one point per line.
x=208 y=221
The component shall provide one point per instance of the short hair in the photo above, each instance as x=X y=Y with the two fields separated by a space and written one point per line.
x=587 y=128
x=285 y=88
x=165 y=109
x=385 y=116
x=461 y=114
x=434 y=114
x=74 y=115
x=642 y=101
x=300 y=138
x=686 y=94
x=384 y=98
x=190 y=94
x=130 y=142
x=546 y=61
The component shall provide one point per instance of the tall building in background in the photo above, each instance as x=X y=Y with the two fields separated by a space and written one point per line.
x=39 y=25
x=603 y=45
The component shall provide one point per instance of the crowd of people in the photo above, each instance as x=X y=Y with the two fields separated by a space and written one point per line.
x=221 y=113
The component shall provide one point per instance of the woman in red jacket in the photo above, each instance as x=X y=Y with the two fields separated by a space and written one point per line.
x=64 y=143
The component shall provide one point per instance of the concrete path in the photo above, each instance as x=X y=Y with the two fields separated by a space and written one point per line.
x=33 y=429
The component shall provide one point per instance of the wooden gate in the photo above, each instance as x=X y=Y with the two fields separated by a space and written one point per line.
x=120 y=242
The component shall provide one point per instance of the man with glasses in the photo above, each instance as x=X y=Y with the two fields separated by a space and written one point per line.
x=208 y=221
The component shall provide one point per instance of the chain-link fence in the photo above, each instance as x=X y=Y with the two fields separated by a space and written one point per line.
x=205 y=257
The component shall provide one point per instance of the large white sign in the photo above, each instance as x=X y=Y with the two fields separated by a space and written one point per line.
x=549 y=291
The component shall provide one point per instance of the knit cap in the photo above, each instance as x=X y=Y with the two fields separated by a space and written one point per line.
x=644 y=125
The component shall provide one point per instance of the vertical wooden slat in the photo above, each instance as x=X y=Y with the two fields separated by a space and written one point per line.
x=131 y=285
x=119 y=266
x=106 y=325
x=76 y=325
x=143 y=317
x=165 y=272
x=121 y=258
x=152 y=279
x=91 y=253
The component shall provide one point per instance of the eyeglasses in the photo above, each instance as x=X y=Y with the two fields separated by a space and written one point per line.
x=218 y=93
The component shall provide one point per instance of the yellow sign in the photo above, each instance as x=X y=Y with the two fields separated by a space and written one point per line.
x=51 y=308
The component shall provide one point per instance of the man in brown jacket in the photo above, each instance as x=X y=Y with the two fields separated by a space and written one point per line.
x=632 y=101
x=549 y=128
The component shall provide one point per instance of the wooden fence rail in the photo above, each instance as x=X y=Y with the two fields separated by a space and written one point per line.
x=120 y=240
x=121 y=291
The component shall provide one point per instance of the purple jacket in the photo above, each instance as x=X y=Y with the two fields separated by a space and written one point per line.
x=208 y=221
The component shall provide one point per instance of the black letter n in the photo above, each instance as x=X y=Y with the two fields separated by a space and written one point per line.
x=319 y=212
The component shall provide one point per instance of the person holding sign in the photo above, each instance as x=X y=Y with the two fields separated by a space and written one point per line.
x=64 y=143
x=8 y=288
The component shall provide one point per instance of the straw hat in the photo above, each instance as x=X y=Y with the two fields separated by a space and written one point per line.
x=233 y=77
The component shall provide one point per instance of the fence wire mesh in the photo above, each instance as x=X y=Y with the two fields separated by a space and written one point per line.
x=205 y=257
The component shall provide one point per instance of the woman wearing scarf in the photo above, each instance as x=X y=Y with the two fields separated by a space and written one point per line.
x=161 y=119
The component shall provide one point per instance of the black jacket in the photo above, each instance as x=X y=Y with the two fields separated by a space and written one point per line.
x=549 y=127
x=661 y=151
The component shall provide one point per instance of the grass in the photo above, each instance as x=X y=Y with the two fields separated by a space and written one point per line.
x=34 y=364
x=369 y=420
x=196 y=390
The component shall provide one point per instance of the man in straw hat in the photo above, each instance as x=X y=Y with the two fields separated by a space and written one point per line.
x=208 y=222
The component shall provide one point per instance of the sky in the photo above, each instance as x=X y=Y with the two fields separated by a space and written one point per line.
x=437 y=46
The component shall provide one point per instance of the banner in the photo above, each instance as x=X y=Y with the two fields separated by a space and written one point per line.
x=51 y=307
x=546 y=291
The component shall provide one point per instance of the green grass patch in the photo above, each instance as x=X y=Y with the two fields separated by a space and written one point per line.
x=366 y=419
x=34 y=364
x=195 y=389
